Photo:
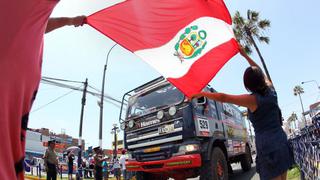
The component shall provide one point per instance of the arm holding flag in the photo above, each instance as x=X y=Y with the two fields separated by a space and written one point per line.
x=251 y=62
x=55 y=23
x=245 y=100
x=245 y=55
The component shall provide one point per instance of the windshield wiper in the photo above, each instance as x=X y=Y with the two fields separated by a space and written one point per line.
x=161 y=107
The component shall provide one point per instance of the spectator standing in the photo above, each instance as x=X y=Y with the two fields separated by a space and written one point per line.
x=51 y=161
x=21 y=36
x=85 y=166
x=105 y=170
x=98 y=159
x=116 y=168
x=70 y=165
x=91 y=167
x=123 y=164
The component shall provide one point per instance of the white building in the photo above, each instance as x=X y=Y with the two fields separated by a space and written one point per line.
x=34 y=143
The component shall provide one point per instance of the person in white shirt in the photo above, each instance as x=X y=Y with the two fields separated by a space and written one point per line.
x=116 y=168
x=123 y=164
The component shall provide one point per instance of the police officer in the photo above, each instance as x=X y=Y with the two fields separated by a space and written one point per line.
x=98 y=159
x=51 y=161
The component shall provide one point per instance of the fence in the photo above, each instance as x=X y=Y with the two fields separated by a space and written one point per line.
x=306 y=149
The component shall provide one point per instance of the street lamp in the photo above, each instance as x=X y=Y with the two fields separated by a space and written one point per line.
x=310 y=82
x=102 y=97
x=115 y=130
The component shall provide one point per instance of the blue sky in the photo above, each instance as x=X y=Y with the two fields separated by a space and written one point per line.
x=79 y=53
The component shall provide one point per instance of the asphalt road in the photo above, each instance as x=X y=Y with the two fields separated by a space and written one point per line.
x=238 y=174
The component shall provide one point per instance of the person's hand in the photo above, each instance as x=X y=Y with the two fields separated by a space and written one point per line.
x=242 y=50
x=196 y=96
x=78 y=21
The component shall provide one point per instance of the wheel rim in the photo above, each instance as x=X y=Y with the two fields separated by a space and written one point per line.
x=220 y=170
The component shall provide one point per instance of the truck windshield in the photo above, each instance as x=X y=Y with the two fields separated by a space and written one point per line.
x=158 y=98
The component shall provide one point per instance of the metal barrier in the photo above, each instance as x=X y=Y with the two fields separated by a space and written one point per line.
x=306 y=149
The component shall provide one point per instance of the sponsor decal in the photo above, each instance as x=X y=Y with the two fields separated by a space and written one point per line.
x=149 y=123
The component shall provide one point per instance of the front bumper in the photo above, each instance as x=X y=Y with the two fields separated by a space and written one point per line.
x=176 y=162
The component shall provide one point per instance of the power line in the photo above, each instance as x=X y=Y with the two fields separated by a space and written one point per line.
x=107 y=98
x=43 y=106
x=94 y=88
x=64 y=80
x=295 y=101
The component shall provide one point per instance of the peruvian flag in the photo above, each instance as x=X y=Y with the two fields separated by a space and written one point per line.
x=187 y=41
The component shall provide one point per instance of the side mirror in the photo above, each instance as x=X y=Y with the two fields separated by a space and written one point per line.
x=201 y=101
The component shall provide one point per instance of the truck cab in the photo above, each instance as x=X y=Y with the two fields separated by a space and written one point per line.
x=167 y=135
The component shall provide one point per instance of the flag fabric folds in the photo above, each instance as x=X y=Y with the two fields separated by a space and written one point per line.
x=187 y=42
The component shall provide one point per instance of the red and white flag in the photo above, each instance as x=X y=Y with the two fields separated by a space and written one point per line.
x=187 y=42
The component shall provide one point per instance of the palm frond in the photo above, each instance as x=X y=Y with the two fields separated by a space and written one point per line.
x=238 y=19
x=253 y=16
x=298 y=90
x=238 y=34
x=255 y=31
x=263 y=24
x=264 y=39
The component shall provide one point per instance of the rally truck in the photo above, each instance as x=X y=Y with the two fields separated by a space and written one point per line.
x=168 y=136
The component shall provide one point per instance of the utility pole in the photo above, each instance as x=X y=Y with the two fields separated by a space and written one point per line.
x=83 y=103
x=115 y=130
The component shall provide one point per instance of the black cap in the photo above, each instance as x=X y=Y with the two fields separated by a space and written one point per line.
x=51 y=141
x=96 y=148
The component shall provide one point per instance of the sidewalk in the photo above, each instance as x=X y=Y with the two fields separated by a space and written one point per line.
x=27 y=177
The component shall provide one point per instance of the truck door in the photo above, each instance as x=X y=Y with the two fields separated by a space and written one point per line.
x=206 y=118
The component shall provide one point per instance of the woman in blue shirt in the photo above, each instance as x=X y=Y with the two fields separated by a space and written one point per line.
x=105 y=171
x=274 y=156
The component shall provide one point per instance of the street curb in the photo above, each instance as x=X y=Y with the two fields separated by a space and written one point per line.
x=33 y=178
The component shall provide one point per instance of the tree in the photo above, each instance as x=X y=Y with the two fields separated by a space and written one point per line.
x=297 y=91
x=247 y=30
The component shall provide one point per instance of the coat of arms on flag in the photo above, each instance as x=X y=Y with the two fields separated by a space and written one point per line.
x=191 y=43
x=187 y=42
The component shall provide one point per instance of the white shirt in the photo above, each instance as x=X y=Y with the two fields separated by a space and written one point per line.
x=123 y=162
x=116 y=164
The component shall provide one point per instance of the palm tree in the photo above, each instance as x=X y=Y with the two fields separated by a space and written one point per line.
x=297 y=91
x=247 y=30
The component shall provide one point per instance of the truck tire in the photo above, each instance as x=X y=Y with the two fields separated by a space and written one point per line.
x=246 y=160
x=216 y=168
x=148 y=176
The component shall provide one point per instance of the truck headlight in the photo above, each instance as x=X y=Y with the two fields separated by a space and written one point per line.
x=160 y=114
x=172 y=111
x=129 y=155
x=188 y=148
x=123 y=126
x=131 y=124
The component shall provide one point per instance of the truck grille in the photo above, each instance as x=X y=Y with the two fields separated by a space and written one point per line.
x=151 y=136
x=153 y=156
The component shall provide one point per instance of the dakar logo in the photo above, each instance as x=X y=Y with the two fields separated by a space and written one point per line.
x=191 y=43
